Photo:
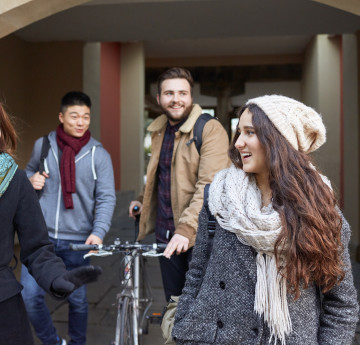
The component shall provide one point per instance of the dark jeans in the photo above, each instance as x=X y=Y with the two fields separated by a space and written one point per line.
x=38 y=312
x=173 y=273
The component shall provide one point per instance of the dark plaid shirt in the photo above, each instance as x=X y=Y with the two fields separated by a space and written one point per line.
x=165 y=220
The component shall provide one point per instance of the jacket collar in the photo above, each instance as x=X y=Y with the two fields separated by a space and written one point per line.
x=161 y=121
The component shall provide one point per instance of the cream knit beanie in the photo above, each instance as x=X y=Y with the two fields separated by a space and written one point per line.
x=301 y=125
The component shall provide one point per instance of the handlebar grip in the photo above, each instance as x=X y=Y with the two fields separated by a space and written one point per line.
x=74 y=246
x=161 y=246
x=135 y=209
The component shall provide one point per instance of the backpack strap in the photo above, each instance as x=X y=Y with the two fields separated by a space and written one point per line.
x=198 y=130
x=211 y=225
x=44 y=152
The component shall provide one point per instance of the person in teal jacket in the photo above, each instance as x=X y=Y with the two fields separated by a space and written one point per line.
x=20 y=214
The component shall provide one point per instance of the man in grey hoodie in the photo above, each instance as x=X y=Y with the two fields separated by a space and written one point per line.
x=77 y=200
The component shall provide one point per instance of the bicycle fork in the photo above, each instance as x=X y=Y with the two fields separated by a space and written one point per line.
x=135 y=299
x=131 y=277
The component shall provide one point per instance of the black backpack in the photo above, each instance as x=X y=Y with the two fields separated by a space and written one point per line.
x=44 y=152
x=198 y=129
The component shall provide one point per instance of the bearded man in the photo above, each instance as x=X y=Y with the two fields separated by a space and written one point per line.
x=177 y=174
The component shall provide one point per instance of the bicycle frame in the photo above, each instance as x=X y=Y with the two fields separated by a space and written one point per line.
x=129 y=299
x=131 y=289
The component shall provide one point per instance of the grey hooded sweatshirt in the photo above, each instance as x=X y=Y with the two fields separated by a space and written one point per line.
x=94 y=200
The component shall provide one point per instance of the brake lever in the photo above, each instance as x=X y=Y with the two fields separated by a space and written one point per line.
x=152 y=253
x=98 y=253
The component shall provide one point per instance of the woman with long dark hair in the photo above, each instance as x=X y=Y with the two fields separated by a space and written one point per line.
x=279 y=270
x=20 y=212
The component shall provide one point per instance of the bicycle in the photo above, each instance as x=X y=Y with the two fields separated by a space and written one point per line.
x=135 y=298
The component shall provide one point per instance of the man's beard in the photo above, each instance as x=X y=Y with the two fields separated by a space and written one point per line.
x=184 y=115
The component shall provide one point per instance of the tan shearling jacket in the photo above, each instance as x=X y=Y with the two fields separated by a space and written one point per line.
x=190 y=172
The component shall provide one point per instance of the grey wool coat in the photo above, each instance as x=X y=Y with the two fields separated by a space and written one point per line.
x=219 y=308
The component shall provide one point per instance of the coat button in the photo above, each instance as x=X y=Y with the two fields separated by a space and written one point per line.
x=220 y=324
x=222 y=285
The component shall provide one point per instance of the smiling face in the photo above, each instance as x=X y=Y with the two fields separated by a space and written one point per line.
x=250 y=148
x=175 y=99
x=76 y=120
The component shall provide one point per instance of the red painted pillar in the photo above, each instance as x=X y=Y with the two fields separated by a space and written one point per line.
x=110 y=103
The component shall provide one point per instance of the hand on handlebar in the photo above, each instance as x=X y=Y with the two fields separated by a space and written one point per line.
x=93 y=239
x=135 y=208
x=178 y=243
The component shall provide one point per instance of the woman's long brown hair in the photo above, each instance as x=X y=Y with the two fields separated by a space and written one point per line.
x=311 y=222
x=8 y=134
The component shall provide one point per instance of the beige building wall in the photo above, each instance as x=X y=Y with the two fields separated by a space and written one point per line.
x=132 y=90
x=13 y=87
x=34 y=77
x=54 y=68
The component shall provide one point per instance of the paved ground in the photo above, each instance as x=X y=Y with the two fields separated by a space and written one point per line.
x=101 y=295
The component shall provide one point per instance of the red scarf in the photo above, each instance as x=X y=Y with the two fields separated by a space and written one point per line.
x=70 y=147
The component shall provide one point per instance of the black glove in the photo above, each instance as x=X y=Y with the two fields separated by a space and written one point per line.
x=71 y=280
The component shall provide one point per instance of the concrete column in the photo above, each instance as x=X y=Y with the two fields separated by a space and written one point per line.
x=350 y=60
x=110 y=103
x=132 y=90
x=91 y=82
x=330 y=86
x=101 y=75
x=321 y=90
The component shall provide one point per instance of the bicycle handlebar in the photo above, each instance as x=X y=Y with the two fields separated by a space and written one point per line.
x=76 y=247
x=121 y=246
x=136 y=208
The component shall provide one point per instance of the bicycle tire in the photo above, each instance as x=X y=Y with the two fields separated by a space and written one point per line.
x=118 y=321
x=142 y=293
x=143 y=302
x=124 y=326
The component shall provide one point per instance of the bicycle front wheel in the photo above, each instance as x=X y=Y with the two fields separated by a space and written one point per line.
x=125 y=328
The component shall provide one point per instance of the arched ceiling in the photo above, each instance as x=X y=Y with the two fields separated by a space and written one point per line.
x=352 y=6
x=197 y=27
x=16 y=14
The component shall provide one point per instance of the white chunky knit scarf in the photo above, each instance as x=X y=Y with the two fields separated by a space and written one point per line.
x=235 y=200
